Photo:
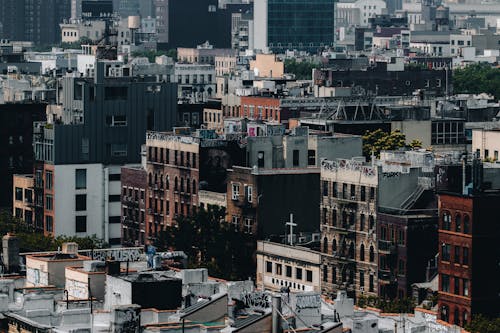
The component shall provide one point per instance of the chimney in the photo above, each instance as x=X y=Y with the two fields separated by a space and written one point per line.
x=276 y=314
x=10 y=249
x=70 y=248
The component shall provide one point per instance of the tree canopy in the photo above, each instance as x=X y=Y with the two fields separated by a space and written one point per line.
x=151 y=55
x=477 y=78
x=211 y=242
x=483 y=324
x=302 y=70
x=32 y=241
x=378 y=140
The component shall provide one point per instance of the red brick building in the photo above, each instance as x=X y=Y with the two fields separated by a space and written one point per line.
x=266 y=108
x=468 y=259
x=133 y=198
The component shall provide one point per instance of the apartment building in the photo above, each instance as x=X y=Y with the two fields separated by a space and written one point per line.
x=79 y=156
x=467 y=267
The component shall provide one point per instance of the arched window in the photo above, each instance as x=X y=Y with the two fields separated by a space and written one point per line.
x=334 y=245
x=372 y=254
x=446 y=221
x=444 y=313
x=344 y=275
x=343 y=249
x=466 y=224
x=362 y=252
x=167 y=182
x=334 y=275
x=176 y=184
x=182 y=184
x=150 y=179
x=325 y=245
x=465 y=317
x=161 y=180
x=188 y=187
x=458 y=223
x=194 y=186
x=351 y=251
x=156 y=179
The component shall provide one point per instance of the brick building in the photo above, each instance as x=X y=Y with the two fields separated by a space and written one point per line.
x=133 y=199
x=468 y=262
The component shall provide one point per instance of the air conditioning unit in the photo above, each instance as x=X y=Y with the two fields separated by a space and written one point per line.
x=361 y=288
x=353 y=197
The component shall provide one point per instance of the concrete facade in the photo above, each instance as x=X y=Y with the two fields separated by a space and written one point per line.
x=281 y=266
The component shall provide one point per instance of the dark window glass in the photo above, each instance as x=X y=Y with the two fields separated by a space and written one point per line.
x=80 y=202
x=81 y=224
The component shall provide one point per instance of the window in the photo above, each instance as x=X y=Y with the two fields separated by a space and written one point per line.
x=235 y=191
x=401 y=237
x=372 y=193
x=269 y=267
x=486 y=153
x=445 y=283
x=19 y=213
x=48 y=180
x=80 y=179
x=465 y=256
x=456 y=256
x=445 y=252
x=362 y=252
x=114 y=198
x=114 y=177
x=249 y=193
x=309 y=275
x=81 y=224
x=298 y=273
x=19 y=194
x=325 y=188
x=288 y=271
x=363 y=193
x=465 y=287
x=466 y=224
x=311 y=157
x=49 y=224
x=334 y=189
x=248 y=225
x=80 y=202
x=116 y=121
x=353 y=192
x=278 y=269
x=456 y=285
x=49 y=202
x=371 y=221
x=372 y=254
x=362 y=222
x=119 y=149
x=372 y=284
x=295 y=157
x=495 y=155
x=325 y=273
x=260 y=159
x=114 y=219
x=446 y=223
x=361 y=279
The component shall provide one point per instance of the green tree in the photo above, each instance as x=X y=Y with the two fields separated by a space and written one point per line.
x=32 y=241
x=477 y=78
x=78 y=44
x=378 y=140
x=302 y=70
x=210 y=242
x=483 y=324
x=415 y=143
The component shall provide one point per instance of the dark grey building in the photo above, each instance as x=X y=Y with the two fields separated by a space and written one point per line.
x=105 y=119
x=33 y=20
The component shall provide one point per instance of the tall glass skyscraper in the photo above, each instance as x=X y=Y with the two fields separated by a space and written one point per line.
x=294 y=24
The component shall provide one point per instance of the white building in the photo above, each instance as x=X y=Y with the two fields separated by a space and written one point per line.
x=357 y=13
x=279 y=265
x=195 y=81
x=87 y=198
